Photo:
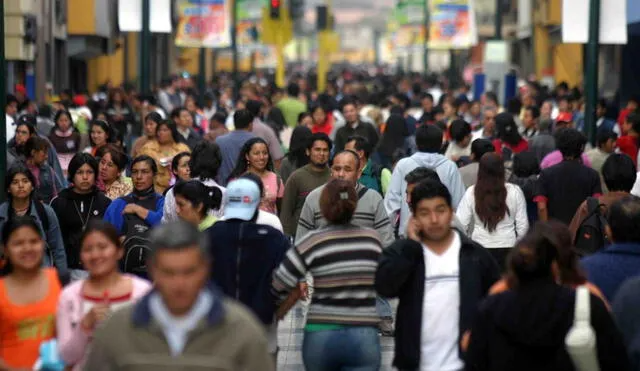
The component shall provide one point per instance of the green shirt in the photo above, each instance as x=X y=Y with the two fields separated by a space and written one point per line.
x=207 y=222
x=291 y=108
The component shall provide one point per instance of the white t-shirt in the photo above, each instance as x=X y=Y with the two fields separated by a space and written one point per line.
x=265 y=218
x=440 y=308
x=10 y=127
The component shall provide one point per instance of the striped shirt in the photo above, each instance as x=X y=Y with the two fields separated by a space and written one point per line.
x=343 y=261
x=370 y=213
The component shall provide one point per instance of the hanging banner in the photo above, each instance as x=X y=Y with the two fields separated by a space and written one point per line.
x=452 y=24
x=204 y=24
x=409 y=12
x=249 y=10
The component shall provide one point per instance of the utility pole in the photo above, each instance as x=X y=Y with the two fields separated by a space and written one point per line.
x=498 y=20
x=234 y=47
x=3 y=104
x=145 y=41
x=425 y=42
x=202 y=75
x=591 y=78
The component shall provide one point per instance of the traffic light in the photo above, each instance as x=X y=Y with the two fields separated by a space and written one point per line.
x=274 y=8
x=30 y=29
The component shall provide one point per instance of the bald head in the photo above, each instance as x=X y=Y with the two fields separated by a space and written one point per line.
x=346 y=166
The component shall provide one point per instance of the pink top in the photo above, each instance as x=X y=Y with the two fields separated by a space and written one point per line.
x=273 y=189
x=555 y=157
x=73 y=341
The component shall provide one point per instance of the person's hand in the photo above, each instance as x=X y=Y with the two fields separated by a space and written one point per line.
x=97 y=314
x=131 y=209
x=413 y=230
x=304 y=290
x=464 y=342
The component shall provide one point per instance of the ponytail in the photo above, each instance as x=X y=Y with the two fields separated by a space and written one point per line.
x=197 y=193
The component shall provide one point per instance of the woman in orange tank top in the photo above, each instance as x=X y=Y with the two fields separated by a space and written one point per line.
x=28 y=295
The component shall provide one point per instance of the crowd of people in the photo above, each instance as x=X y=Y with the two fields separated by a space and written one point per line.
x=142 y=232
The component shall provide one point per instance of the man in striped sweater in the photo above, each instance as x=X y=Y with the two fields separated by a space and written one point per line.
x=369 y=213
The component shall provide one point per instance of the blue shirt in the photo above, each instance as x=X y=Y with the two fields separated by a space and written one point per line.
x=608 y=269
x=114 y=215
x=230 y=146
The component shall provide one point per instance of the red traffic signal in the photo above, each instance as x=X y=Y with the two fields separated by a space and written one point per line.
x=274 y=9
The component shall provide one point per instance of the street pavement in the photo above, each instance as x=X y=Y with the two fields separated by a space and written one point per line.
x=290 y=333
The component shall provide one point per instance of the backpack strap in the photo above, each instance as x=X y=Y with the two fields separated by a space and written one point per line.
x=362 y=192
x=42 y=214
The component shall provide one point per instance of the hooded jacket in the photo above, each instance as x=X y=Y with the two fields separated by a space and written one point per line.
x=395 y=200
x=245 y=256
x=524 y=329
x=74 y=211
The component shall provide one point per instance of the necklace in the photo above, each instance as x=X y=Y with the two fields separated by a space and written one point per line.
x=81 y=211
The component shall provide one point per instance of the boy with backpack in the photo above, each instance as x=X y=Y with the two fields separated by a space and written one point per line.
x=135 y=214
x=589 y=224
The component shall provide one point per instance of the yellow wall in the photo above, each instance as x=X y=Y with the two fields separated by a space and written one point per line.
x=555 y=12
x=81 y=19
x=568 y=62
x=106 y=68
x=541 y=46
x=132 y=58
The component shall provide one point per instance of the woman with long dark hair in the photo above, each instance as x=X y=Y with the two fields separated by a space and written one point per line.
x=255 y=158
x=492 y=212
x=150 y=124
x=86 y=303
x=48 y=185
x=525 y=327
x=17 y=146
x=64 y=138
x=20 y=186
x=180 y=170
x=100 y=134
x=28 y=295
x=77 y=205
x=297 y=155
x=393 y=138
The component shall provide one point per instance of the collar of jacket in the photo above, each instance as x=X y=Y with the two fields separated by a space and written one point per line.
x=141 y=315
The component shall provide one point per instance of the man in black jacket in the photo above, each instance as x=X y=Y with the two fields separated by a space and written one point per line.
x=434 y=271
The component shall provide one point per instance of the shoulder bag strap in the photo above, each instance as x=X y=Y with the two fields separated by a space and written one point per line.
x=582 y=314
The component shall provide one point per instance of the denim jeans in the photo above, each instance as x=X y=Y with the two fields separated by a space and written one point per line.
x=354 y=348
x=383 y=307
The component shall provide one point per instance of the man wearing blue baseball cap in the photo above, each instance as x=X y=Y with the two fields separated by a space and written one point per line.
x=245 y=254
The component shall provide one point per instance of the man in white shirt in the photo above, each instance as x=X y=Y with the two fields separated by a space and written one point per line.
x=432 y=273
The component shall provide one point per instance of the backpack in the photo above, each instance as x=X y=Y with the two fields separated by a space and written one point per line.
x=591 y=236
x=376 y=173
x=136 y=242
